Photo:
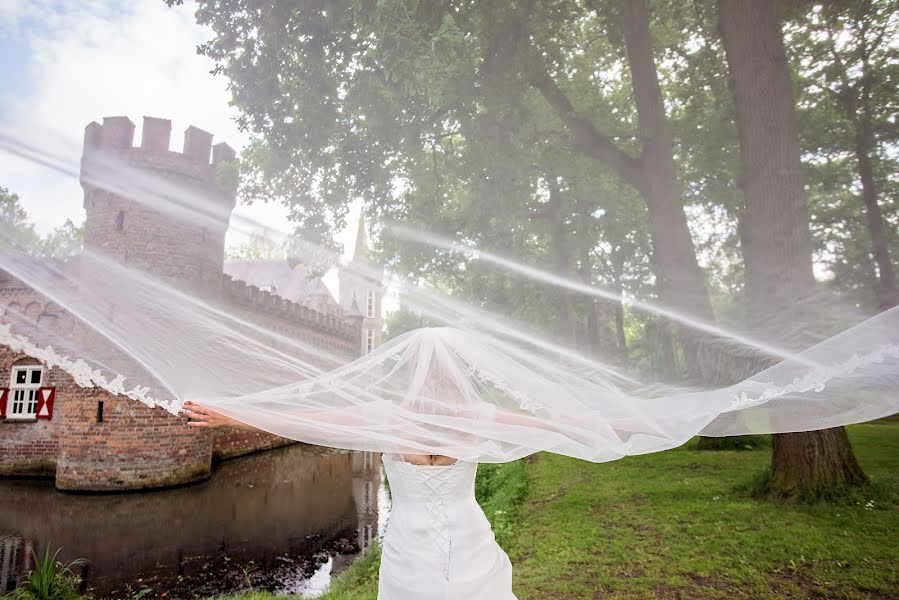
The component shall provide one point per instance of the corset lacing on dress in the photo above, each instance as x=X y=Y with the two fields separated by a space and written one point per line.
x=435 y=479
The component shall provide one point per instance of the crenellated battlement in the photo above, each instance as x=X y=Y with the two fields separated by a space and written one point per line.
x=263 y=301
x=115 y=138
x=163 y=211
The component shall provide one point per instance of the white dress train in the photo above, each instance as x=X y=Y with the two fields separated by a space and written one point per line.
x=438 y=544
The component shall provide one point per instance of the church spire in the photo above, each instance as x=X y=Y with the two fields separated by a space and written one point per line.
x=360 y=253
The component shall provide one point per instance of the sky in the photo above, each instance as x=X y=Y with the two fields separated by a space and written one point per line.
x=65 y=63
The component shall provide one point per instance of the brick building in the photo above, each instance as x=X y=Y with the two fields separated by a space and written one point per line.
x=90 y=439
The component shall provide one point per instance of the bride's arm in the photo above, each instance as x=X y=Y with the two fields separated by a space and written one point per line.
x=625 y=427
x=201 y=416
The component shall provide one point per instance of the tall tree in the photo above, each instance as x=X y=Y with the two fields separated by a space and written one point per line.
x=777 y=247
x=652 y=172
x=347 y=98
x=847 y=58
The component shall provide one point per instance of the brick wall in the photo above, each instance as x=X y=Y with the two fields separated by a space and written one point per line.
x=28 y=447
x=173 y=219
x=133 y=447
x=228 y=443
x=147 y=238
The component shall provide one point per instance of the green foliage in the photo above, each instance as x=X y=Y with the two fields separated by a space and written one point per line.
x=16 y=231
x=501 y=489
x=427 y=112
x=419 y=110
x=359 y=581
x=61 y=243
x=50 y=579
x=845 y=55
x=260 y=246
x=405 y=319
x=227 y=174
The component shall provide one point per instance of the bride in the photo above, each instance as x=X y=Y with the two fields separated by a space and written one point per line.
x=437 y=401
x=438 y=543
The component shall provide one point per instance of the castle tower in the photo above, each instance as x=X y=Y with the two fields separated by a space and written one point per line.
x=361 y=291
x=166 y=213
x=162 y=211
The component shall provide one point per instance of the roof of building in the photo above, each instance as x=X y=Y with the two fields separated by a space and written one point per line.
x=278 y=277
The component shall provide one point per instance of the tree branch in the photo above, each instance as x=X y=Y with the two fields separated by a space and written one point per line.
x=591 y=141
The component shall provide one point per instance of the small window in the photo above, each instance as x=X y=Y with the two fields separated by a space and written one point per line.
x=120 y=221
x=370 y=304
x=369 y=340
x=24 y=383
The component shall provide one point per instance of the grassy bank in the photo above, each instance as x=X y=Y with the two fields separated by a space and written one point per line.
x=682 y=524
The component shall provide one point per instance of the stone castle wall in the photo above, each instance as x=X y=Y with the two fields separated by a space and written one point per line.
x=229 y=443
x=101 y=442
x=133 y=447
x=29 y=447
x=95 y=440
x=166 y=212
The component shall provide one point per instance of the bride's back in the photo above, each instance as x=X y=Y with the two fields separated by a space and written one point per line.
x=438 y=540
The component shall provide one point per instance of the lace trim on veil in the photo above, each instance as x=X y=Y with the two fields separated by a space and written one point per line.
x=816 y=380
x=80 y=371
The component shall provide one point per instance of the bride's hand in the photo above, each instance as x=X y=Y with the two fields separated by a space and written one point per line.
x=200 y=416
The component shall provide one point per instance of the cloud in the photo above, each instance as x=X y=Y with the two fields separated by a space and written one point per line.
x=11 y=12
x=86 y=59
x=92 y=59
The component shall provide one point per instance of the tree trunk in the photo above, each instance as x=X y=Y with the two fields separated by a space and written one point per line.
x=860 y=117
x=774 y=229
x=813 y=461
x=887 y=295
x=680 y=280
x=560 y=250
x=620 y=337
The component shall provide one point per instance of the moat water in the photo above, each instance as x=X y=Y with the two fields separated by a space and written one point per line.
x=283 y=521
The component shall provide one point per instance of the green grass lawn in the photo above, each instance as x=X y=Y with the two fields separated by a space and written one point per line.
x=679 y=524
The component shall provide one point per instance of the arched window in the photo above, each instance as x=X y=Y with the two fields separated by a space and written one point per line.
x=120 y=221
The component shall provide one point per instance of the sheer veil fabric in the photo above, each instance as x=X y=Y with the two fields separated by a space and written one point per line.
x=478 y=389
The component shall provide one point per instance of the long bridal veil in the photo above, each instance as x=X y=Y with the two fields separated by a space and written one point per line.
x=481 y=386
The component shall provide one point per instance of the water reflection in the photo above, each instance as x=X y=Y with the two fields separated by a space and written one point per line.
x=280 y=521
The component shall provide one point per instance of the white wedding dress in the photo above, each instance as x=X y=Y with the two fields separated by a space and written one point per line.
x=438 y=544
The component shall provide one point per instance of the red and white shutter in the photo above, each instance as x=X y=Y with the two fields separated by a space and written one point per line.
x=45 y=398
x=4 y=395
